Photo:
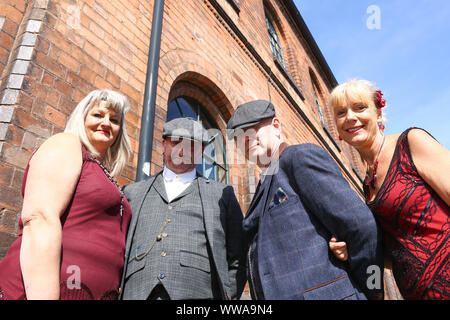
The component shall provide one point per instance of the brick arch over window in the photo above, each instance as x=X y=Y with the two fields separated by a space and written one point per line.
x=206 y=92
x=320 y=99
x=317 y=99
x=181 y=66
x=270 y=9
x=314 y=80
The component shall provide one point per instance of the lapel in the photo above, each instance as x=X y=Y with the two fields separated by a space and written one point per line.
x=260 y=195
x=160 y=187
x=136 y=210
x=208 y=216
x=212 y=221
x=267 y=184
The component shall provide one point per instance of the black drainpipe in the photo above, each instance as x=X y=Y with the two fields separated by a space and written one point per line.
x=148 y=112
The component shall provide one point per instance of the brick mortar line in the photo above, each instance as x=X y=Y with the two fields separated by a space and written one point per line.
x=18 y=63
x=16 y=68
x=20 y=57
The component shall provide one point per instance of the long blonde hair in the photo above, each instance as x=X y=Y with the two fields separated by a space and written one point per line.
x=117 y=155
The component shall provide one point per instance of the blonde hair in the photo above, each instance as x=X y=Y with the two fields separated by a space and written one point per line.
x=359 y=91
x=117 y=155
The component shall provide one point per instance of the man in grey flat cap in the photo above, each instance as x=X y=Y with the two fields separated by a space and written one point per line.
x=185 y=235
x=301 y=201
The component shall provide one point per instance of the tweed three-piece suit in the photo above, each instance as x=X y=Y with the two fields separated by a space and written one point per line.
x=301 y=203
x=192 y=245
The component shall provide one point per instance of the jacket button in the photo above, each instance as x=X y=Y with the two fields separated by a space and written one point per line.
x=161 y=276
x=170 y=208
x=163 y=254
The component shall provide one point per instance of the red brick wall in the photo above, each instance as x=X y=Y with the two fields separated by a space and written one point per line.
x=11 y=16
x=72 y=47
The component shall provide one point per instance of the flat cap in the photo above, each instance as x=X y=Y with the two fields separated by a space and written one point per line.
x=185 y=128
x=249 y=114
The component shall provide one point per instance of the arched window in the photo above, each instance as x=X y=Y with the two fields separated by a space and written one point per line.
x=275 y=43
x=319 y=108
x=213 y=164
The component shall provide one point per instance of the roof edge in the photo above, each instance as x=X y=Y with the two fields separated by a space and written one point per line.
x=301 y=24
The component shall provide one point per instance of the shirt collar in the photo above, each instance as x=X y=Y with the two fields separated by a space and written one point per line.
x=186 y=177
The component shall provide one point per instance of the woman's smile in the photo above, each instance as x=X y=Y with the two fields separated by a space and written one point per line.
x=355 y=129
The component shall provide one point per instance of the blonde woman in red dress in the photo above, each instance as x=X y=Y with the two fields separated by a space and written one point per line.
x=74 y=217
x=407 y=187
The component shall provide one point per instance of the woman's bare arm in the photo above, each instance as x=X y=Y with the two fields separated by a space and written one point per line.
x=432 y=161
x=52 y=177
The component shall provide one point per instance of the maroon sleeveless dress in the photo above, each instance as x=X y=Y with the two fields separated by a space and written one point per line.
x=93 y=241
x=416 y=228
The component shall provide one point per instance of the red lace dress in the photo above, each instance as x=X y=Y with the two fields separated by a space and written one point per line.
x=416 y=228
x=93 y=241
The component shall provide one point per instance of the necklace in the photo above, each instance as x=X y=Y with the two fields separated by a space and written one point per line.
x=371 y=181
x=112 y=180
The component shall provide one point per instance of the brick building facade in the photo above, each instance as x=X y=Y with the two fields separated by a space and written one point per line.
x=214 y=53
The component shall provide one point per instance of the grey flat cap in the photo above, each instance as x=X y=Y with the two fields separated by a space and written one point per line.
x=249 y=114
x=185 y=128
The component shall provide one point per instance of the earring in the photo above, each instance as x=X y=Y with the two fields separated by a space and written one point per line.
x=340 y=138
x=381 y=126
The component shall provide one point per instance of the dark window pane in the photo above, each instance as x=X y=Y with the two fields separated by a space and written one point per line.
x=180 y=108
x=319 y=108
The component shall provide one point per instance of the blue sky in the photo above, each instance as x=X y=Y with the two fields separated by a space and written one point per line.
x=408 y=57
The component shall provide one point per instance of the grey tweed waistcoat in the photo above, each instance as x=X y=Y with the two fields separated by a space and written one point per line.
x=169 y=247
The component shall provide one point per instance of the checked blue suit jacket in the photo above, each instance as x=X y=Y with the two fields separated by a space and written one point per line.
x=300 y=207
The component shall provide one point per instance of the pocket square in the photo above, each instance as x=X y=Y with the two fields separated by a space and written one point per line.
x=279 y=197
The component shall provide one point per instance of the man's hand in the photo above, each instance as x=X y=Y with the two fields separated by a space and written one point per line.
x=339 y=249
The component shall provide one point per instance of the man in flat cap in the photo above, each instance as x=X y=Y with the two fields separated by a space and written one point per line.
x=185 y=236
x=301 y=201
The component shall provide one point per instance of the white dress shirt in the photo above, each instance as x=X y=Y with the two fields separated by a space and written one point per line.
x=176 y=183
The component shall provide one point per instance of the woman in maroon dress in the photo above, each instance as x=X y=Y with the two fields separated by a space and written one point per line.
x=74 y=217
x=407 y=187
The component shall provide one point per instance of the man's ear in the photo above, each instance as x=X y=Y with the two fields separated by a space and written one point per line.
x=276 y=123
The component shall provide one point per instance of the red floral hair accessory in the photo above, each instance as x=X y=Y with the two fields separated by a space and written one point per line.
x=379 y=101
